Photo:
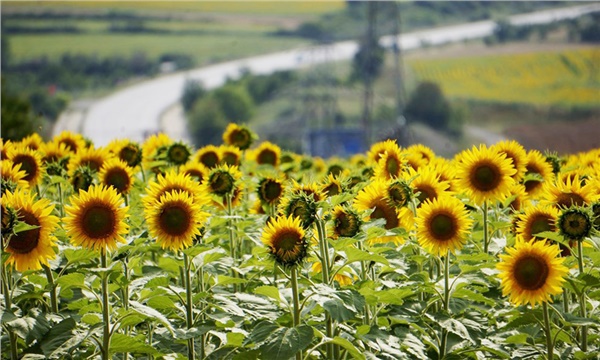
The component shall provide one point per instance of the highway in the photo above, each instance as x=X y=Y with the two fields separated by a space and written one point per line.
x=135 y=112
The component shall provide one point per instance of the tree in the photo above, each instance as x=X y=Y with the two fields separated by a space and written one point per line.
x=18 y=119
x=235 y=103
x=192 y=92
x=207 y=121
x=429 y=105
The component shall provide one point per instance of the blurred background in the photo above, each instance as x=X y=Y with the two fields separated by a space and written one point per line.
x=537 y=83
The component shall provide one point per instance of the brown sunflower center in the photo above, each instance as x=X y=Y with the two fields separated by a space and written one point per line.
x=221 y=182
x=195 y=174
x=25 y=241
x=575 y=224
x=531 y=272
x=566 y=200
x=175 y=219
x=392 y=166
x=70 y=144
x=333 y=189
x=384 y=211
x=286 y=241
x=532 y=184
x=240 y=138
x=267 y=157
x=178 y=154
x=442 y=227
x=540 y=223
x=28 y=164
x=230 y=158
x=209 y=159
x=426 y=192
x=485 y=177
x=302 y=209
x=270 y=190
x=346 y=225
x=98 y=221
x=130 y=154
x=398 y=195
x=118 y=178
x=92 y=163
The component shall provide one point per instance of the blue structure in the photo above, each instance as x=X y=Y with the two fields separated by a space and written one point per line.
x=335 y=142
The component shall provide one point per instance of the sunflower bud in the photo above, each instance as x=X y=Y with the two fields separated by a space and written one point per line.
x=575 y=223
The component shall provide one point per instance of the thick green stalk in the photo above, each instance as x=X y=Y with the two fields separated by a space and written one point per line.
x=582 y=301
x=485 y=227
x=12 y=337
x=125 y=295
x=105 y=309
x=60 y=199
x=325 y=268
x=232 y=242
x=296 y=302
x=202 y=314
x=189 y=305
x=548 y=330
x=53 y=298
x=446 y=302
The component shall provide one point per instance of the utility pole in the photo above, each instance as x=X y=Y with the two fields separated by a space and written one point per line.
x=402 y=131
x=371 y=37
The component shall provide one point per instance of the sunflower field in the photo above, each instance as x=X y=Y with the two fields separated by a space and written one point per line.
x=157 y=250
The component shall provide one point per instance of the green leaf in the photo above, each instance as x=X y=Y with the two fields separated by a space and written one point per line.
x=286 y=342
x=355 y=254
x=352 y=350
x=120 y=343
x=57 y=336
x=161 y=302
x=393 y=296
x=228 y=280
x=456 y=327
x=261 y=333
x=551 y=235
x=578 y=321
x=270 y=292
x=151 y=313
x=208 y=257
x=21 y=226
x=70 y=280
x=91 y=319
x=235 y=339
x=517 y=339
x=79 y=255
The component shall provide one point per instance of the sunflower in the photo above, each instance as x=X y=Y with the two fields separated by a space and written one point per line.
x=374 y=196
x=380 y=148
x=286 y=240
x=425 y=183
x=442 y=225
x=152 y=144
x=209 y=156
x=299 y=205
x=538 y=171
x=518 y=197
x=173 y=181
x=178 y=153
x=332 y=186
x=445 y=172
x=96 y=218
x=400 y=193
x=32 y=141
x=575 y=223
x=270 y=189
x=30 y=249
x=54 y=151
x=239 y=136
x=390 y=164
x=531 y=272
x=81 y=179
x=12 y=173
x=4 y=146
x=126 y=150
x=117 y=174
x=484 y=174
x=568 y=192
x=223 y=180
x=536 y=219
x=310 y=189
x=514 y=152
x=90 y=157
x=220 y=202
x=195 y=170
x=30 y=161
x=335 y=167
x=230 y=155
x=74 y=142
x=266 y=153
x=175 y=220
x=345 y=222
x=424 y=152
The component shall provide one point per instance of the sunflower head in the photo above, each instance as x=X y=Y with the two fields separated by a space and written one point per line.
x=223 y=180
x=96 y=218
x=32 y=141
x=596 y=214
x=537 y=172
x=118 y=174
x=400 y=193
x=443 y=225
x=73 y=141
x=380 y=148
x=209 y=156
x=536 y=219
x=390 y=164
x=195 y=170
x=346 y=222
x=300 y=206
x=267 y=153
x=12 y=176
x=514 y=152
x=131 y=153
x=333 y=186
x=270 y=190
x=178 y=153
x=335 y=168
x=425 y=183
x=575 y=223
x=82 y=178
x=374 y=197
x=54 y=152
x=555 y=161
x=230 y=155
x=568 y=191
x=29 y=249
x=9 y=218
x=30 y=161
x=286 y=240
x=239 y=136
x=531 y=272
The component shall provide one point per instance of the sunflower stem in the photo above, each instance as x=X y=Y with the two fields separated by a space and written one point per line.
x=125 y=294
x=232 y=242
x=582 y=301
x=325 y=267
x=14 y=355
x=105 y=309
x=548 y=330
x=53 y=299
x=188 y=305
x=364 y=276
x=446 y=302
x=202 y=313
x=485 y=227
x=296 y=302
x=60 y=199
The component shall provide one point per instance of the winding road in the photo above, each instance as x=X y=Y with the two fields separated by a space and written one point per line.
x=136 y=111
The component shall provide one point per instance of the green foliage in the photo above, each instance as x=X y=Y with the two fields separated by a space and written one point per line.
x=368 y=61
x=18 y=119
x=235 y=103
x=207 y=121
x=429 y=105
x=192 y=92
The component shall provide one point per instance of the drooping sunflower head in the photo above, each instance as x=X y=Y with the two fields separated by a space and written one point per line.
x=178 y=153
x=116 y=173
x=531 y=272
x=29 y=249
x=9 y=218
x=266 y=153
x=536 y=219
x=514 y=152
x=575 y=223
x=390 y=164
x=223 y=180
x=173 y=181
x=443 y=225
x=230 y=155
x=96 y=218
x=30 y=161
x=128 y=151
x=195 y=170
x=208 y=155
x=425 y=183
x=374 y=197
x=239 y=136
x=399 y=193
x=286 y=240
x=556 y=161
x=270 y=189
x=346 y=222
x=538 y=171
x=484 y=174
x=566 y=192
x=12 y=174
x=175 y=220
x=301 y=206
x=73 y=141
